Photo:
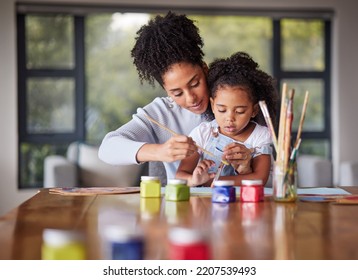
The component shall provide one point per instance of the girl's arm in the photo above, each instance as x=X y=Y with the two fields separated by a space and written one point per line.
x=239 y=156
x=195 y=173
x=261 y=166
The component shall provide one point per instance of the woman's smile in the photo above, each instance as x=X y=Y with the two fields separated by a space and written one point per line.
x=197 y=106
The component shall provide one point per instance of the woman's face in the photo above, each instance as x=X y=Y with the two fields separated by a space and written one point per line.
x=186 y=84
x=233 y=110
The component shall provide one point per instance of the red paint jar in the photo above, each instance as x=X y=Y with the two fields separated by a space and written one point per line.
x=251 y=191
x=188 y=244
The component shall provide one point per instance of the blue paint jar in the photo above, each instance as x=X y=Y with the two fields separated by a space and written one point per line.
x=124 y=243
x=223 y=191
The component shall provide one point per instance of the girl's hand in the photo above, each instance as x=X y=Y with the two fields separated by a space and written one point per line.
x=176 y=148
x=200 y=174
x=239 y=157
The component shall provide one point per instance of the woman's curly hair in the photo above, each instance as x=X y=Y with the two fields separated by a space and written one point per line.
x=240 y=70
x=166 y=40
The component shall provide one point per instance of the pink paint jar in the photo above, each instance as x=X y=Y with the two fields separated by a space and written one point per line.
x=251 y=191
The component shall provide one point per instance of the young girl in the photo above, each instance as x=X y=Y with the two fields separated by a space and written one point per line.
x=236 y=85
x=168 y=50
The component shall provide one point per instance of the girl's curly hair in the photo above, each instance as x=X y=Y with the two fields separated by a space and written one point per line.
x=240 y=70
x=166 y=40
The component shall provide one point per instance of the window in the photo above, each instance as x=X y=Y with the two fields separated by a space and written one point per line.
x=77 y=81
x=304 y=64
x=51 y=94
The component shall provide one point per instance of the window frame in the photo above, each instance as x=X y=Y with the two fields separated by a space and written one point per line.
x=77 y=73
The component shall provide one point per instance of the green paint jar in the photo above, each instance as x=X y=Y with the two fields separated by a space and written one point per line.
x=177 y=190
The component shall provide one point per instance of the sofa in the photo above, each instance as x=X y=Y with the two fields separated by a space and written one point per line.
x=81 y=167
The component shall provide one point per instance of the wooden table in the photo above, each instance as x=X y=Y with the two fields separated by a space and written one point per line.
x=266 y=230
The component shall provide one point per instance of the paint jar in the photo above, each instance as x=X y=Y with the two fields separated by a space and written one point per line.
x=150 y=186
x=177 y=190
x=188 y=244
x=123 y=243
x=284 y=182
x=61 y=244
x=223 y=191
x=251 y=191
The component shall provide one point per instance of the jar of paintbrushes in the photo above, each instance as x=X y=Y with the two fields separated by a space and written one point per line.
x=284 y=182
x=284 y=176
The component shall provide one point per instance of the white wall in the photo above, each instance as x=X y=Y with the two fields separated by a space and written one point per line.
x=344 y=76
x=9 y=195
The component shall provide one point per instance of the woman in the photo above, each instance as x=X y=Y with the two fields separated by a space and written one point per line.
x=167 y=50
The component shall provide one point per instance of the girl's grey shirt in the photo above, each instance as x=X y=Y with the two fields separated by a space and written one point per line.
x=121 y=146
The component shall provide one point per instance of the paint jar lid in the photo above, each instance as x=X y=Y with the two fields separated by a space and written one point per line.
x=115 y=233
x=149 y=178
x=186 y=236
x=177 y=182
x=60 y=237
x=224 y=183
x=251 y=182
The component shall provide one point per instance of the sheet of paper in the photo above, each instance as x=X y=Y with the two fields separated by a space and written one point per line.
x=321 y=191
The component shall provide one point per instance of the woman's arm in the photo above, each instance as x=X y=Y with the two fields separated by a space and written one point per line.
x=139 y=140
x=176 y=148
x=116 y=149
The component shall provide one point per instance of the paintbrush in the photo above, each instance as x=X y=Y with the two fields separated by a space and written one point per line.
x=174 y=133
x=217 y=175
x=268 y=120
x=288 y=128
x=302 y=119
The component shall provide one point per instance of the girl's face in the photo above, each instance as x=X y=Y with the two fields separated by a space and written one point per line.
x=186 y=84
x=233 y=110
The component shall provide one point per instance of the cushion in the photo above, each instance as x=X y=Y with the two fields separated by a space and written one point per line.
x=348 y=174
x=95 y=173
x=314 y=171
x=59 y=172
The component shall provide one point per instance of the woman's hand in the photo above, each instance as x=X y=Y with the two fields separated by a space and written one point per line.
x=200 y=174
x=239 y=157
x=176 y=148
